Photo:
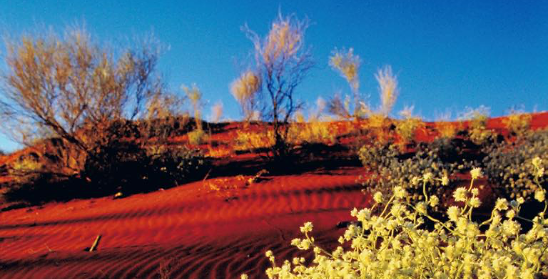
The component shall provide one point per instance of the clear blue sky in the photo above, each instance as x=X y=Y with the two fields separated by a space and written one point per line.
x=447 y=54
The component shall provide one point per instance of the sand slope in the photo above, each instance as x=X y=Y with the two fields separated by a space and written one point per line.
x=189 y=231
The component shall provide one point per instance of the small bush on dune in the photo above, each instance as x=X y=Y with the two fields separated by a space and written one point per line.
x=174 y=165
x=312 y=132
x=197 y=137
x=129 y=168
x=447 y=130
x=407 y=127
x=347 y=64
x=254 y=140
x=477 y=130
x=517 y=123
x=397 y=244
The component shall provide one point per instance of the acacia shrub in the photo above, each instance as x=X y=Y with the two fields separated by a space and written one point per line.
x=388 y=166
x=509 y=165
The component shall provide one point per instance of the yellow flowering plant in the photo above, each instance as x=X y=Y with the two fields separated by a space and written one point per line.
x=397 y=243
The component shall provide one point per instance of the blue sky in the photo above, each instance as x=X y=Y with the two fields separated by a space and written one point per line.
x=447 y=54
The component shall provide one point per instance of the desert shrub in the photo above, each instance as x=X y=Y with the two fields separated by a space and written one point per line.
x=246 y=141
x=407 y=127
x=169 y=126
x=26 y=168
x=129 y=168
x=175 y=165
x=477 y=130
x=388 y=88
x=197 y=137
x=347 y=64
x=381 y=127
x=245 y=90
x=517 y=123
x=313 y=132
x=397 y=244
x=72 y=88
x=194 y=94
x=390 y=168
x=447 y=130
x=122 y=164
x=509 y=165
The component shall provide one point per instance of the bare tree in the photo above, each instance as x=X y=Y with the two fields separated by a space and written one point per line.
x=282 y=61
x=69 y=87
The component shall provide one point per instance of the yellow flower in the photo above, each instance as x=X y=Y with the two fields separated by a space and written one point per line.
x=475 y=202
x=453 y=213
x=377 y=197
x=475 y=191
x=445 y=180
x=475 y=173
x=540 y=172
x=307 y=227
x=539 y=195
x=460 y=194
x=536 y=162
x=400 y=192
x=421 y=208
x=434 y=200
x=501 y=204
x=428 y=176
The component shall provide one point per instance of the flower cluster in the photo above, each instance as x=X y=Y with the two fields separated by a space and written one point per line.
x=397 y=244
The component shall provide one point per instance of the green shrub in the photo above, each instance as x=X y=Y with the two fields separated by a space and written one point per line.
x=129 y=168
x=406 y=128
x=119 y=166
x=509 y=165
x=477 y=131
x=517 y=123
x=175 y=165
x=397 y=244
x=197 y=137
x=389 y=168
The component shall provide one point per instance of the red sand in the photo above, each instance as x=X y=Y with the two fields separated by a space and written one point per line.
x=191 y=229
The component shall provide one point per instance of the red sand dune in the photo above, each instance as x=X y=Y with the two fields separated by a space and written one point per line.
x=191 y=229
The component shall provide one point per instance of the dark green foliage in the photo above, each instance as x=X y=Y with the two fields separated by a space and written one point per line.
x=389 y=167
x=119 y=163
x=509 y=164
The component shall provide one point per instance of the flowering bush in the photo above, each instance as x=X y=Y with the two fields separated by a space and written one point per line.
x=397 y=244
x=390 y=168
x=511 y=165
